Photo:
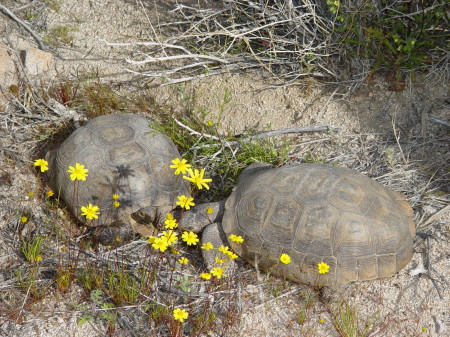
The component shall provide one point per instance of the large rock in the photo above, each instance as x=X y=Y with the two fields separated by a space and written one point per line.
x=36 y=61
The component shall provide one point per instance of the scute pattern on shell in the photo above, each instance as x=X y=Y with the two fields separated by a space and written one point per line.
x=316 y=213
x=124 y=156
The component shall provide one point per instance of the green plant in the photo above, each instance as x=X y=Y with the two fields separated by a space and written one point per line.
x=302 y=315
x=54 y=5
x=346 y=320
x=157 y=313
x=310 y=299
x=90 y=277
x=397 y=35
x=224 y=156
x=29 y=282
x=32 y=249
x=64 y=278
x=105 y=310
x=310 y=296
x=100 y=99
x=60 y=35
x=122 y=287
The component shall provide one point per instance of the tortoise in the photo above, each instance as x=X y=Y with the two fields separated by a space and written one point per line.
x=314 y=213
x=126 y=157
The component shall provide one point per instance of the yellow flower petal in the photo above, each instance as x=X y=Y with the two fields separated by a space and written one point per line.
x=42 y=163
x=190 y=238
x=196 y=177
x=90 y=211
x=78 y=172
x=286 y=259
x=205 y=276
x=185 y=202
x=218 y=272
x=180 y=315
x=323 y=268
x=180 y=166
x=207 y=246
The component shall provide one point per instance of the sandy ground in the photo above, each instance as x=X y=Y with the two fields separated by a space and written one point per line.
x=412 y=303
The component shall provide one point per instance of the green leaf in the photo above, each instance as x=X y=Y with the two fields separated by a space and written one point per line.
x=97 y=296
x=374 y=32
x=85 y=319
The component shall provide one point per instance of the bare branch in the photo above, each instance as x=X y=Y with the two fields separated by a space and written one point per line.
x=7 y=12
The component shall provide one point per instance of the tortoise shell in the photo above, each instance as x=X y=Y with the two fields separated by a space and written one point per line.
x=124 y=156
x=319 y=213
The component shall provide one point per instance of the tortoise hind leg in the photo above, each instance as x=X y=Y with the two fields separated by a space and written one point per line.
x=116 y=234
x=123 y=231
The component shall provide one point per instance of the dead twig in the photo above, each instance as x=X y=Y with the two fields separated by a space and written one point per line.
x=439 y=121
x=7 y=12
x=274 y=133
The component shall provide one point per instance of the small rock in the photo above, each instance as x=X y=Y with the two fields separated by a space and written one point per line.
x=420 y=269
x=36 y=61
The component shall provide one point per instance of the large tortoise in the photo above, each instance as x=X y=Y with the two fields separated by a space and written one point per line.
x=126 y=157
x=314 y=213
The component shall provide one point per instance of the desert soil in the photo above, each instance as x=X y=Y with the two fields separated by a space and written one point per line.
x=384 y=134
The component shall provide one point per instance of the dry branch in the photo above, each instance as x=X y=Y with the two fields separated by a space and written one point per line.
x=7 y=12
x=274 y=133
x=289 y=41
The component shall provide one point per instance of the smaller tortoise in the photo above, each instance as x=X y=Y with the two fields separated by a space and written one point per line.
x=314 y=213
x=126 y=157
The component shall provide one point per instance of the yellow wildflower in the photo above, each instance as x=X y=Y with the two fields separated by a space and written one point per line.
x=159 y=243
x=23 y=219
x=183 y=260
x=90 y=211
x=286 y=259
x=170 y=237
x=31 y=194
x=236 y=238
x=196 y=177
x=180 y=314
x=151 y=239
x=181 y=166
x=205 y=276
x=209 y=210
x=78 y=172
x=50 y=193
x=118 y=239
x=115 y=196
x=224 y=249
x=232 y=255
x=217 y=272
x=185 y=202
x=207 y=246
x=170 y=223
x=220 y=260
x=116 y=204
x=190 y=238
x=38 y=258
x=42 y=163
x=323 y=268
